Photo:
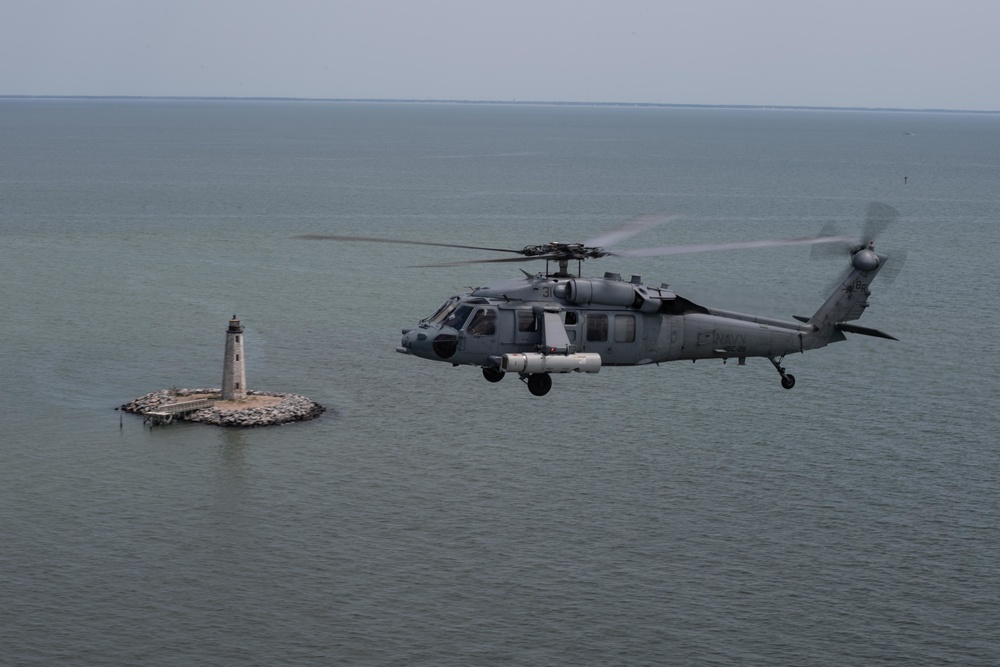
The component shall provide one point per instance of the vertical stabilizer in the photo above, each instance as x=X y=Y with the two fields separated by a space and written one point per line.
x=850 y=299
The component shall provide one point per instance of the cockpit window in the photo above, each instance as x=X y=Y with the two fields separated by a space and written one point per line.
x=484 y=323
x=446 y=309
x=457 y=318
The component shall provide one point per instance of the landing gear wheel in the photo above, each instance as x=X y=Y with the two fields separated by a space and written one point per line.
x=539 y=383
x=492 y=374
x=787 y=379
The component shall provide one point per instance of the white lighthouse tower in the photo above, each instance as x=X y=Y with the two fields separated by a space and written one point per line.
x=234 y=374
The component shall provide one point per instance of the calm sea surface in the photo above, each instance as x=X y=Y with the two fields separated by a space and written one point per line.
x=689 y=514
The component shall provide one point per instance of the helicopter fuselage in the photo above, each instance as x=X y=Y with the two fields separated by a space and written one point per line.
x=626 y=323
x=557 y=324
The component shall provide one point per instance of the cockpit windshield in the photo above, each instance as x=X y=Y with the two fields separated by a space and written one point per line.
x=446 y=309
x=457 y=318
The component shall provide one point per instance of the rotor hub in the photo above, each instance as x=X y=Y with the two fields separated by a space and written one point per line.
x=557 y=250
x=865 y=259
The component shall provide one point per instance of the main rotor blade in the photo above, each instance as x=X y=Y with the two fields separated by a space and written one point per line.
x=828 y=250
x=484 y=261
x=375 y=239
x=711 y=247
x=627 y=230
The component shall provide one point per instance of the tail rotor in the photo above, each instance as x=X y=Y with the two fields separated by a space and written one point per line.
x=878 y=218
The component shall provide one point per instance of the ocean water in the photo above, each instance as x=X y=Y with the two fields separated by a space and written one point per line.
x=689 y=514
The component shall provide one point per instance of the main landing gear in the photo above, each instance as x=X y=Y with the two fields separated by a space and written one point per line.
x=492 y=374
x=787 y=379
x=538 y=383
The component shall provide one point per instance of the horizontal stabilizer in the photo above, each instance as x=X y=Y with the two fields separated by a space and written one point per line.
x=800 y=318
x=865 y=331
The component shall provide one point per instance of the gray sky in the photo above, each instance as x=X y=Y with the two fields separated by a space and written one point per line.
x=872 y=53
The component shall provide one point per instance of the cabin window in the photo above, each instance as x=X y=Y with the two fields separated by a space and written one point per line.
x=597 y=327
x=526 y=321
x=624 y=328
x=484 y=323
x=571 y=319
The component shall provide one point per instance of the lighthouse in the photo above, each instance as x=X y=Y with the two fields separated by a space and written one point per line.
x=234 y=374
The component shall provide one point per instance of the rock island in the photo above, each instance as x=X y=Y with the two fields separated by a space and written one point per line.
x=232 y=404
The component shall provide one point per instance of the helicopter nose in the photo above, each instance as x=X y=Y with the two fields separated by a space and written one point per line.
x=406 y=343
x=429 y=343
x=417 y=341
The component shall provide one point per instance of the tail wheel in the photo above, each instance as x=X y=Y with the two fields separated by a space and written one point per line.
x=539 y=383
x=787 y=379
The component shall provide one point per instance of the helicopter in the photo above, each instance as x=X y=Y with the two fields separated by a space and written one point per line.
x=558 y=322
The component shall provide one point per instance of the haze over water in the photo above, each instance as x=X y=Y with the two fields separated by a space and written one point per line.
x=687 y=514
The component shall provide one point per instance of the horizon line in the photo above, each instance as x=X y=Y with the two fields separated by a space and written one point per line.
x=380 y=100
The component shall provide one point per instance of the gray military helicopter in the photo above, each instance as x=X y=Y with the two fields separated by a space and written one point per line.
x=557 y=322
